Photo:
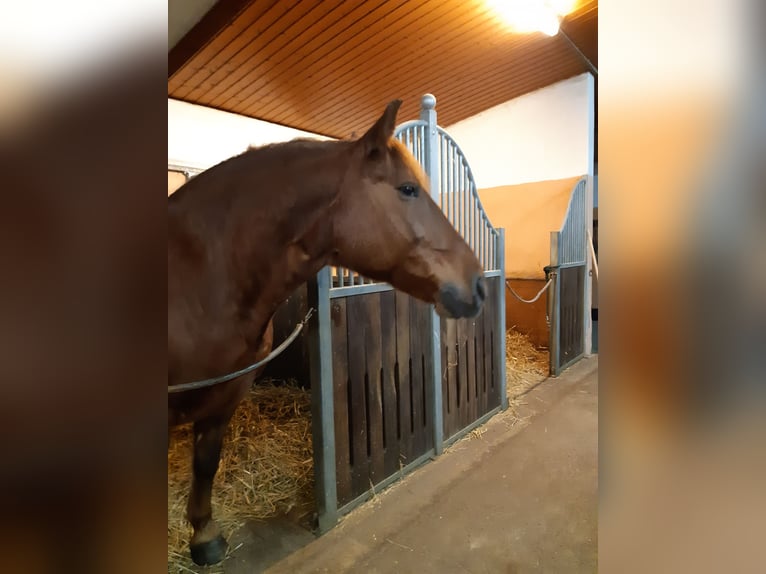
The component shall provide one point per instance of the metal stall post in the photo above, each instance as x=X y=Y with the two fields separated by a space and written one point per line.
x=322 y=408
x=588 y=279
x=501 y=317
x=555 y=294
x=432 y=165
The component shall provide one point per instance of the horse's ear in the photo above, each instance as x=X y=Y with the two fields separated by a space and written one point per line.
x=376 y=138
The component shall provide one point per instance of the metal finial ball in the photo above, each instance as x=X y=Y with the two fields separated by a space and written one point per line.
x=428 y=102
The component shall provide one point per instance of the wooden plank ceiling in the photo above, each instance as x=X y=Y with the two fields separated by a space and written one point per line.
x=330 y=67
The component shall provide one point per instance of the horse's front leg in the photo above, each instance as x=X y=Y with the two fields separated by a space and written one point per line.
x=208 y=546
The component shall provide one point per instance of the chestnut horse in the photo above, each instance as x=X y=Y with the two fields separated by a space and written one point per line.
x=243 y=235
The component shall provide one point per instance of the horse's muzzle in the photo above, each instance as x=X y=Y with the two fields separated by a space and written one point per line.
x=459 y=305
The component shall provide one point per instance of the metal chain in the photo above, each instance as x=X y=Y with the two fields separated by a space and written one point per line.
x=508 y=285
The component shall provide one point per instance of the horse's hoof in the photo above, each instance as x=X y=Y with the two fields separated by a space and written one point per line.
x=211 y=552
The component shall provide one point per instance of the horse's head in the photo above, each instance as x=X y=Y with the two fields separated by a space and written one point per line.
x=390 y=229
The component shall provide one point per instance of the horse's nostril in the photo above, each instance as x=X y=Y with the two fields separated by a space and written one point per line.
x=480 y=288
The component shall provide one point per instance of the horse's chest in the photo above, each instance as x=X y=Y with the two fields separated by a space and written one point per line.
x=199 y=341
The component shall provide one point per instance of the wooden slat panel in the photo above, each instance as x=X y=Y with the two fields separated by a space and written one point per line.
x=416 y=376
x=220 y=54
x=382 y=41
x=487 y=356
x=319 y=52
x=428 y=376
x=388 y=355
x=228 y=40
x=341 y=400
x=360 y=462
x=465 y=400
x=473 y=397
x=256 y=37
x=444 y=373
x=269 y=49
x=489 y=324
x=481 y=375
x=372 y=343
x=451 y=422
x=465 y=53
x=538 y=60
x=469 y=389
x=403 y=370
x=462 y=377
x=182 y=56
x=493 y=388
x=480 y=365
x=464 y=50
x=572 y=313
x=330 y=67
x=324 y=28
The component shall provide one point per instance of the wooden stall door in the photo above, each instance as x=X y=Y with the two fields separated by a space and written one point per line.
x=572 y=315
x=381 y=368
x=470 y=377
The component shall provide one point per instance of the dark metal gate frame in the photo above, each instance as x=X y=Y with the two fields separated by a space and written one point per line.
x=568 y=250
x=454 y=189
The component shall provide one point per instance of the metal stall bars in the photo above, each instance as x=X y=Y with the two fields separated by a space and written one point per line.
x=472 y=352
x=568 y=268
x=421 y=138
x=390 y=380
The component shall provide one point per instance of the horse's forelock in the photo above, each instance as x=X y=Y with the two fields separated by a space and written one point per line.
x=405 y=156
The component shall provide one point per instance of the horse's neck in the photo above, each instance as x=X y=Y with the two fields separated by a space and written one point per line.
x=283 y=239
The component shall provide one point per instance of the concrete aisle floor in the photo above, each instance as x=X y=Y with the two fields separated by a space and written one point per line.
x=521 y=497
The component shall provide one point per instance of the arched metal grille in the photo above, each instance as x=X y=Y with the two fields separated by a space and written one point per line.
x=457 y=193
x=574 y=241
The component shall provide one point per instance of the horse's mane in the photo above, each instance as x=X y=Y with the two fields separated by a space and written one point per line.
x=257 y=155
x=273 y=152
x=299 y=143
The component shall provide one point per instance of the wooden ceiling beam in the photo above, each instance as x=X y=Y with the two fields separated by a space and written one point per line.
x=328 y=67
x=210 y=25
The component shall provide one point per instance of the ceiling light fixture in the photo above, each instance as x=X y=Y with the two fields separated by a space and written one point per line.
x=527 y=16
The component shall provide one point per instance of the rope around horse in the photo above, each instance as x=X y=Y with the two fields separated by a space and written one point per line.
x=530 y=300
x=210 y=382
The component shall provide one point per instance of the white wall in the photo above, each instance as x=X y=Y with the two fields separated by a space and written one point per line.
x=200 y=137
x=544 y=135
x=536 y=137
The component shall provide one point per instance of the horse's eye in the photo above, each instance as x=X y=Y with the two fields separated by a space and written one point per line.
x=408 y=190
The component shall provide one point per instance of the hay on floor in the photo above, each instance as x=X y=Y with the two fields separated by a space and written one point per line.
x=266 y=467
x=526 y=365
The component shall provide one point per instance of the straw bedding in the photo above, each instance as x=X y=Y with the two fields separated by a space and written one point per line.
x=526 y=365
x=266 y=467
